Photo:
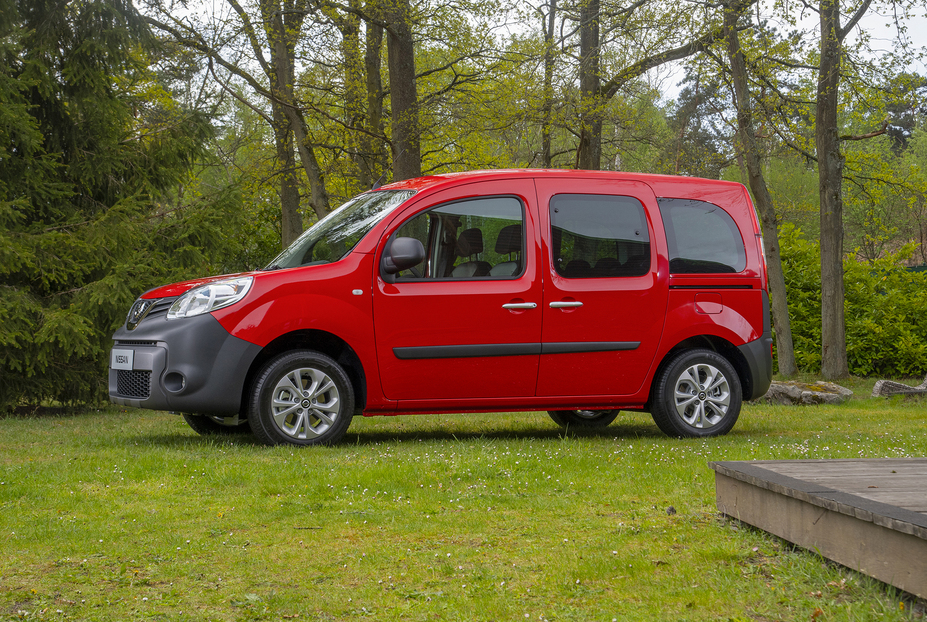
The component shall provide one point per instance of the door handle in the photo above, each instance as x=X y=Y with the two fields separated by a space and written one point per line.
x=563 y=304
x=520 y=305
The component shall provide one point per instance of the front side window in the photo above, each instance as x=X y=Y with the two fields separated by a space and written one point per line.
x=337 y=234
x=597 y=236
x=470 y=239
x=702 y=238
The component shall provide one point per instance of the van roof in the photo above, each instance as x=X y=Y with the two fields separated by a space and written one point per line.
x=716 y=191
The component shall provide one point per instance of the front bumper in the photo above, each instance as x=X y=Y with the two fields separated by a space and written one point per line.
x=191 y=365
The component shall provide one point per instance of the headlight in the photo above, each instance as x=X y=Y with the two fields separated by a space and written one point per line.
x=209 y=298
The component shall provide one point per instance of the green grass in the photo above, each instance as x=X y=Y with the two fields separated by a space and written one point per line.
x=128 y=515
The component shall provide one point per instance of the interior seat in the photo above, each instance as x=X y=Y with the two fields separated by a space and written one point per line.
x=608 y=266
x=507 y=243
x=577 y=269
x=638 y=262
x=470 y=243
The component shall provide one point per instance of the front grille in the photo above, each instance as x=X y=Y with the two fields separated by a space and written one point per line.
x=135 y=383
x=161 y=306
x=146 y=308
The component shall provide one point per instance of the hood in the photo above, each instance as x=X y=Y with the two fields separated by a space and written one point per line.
x=176 y=289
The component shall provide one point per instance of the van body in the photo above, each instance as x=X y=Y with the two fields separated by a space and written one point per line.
x=579 y=293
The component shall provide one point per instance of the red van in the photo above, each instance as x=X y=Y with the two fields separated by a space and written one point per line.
x=579 y=293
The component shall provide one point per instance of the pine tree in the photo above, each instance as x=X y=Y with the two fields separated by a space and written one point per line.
x=92 y=152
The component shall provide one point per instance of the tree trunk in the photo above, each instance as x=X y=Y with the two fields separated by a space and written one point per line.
x=589 y=150
x=830 y=180
x=403 y=94
x=547 y=111
x=374 y=148
x=291 y=223
x=282 y=39
x=354 y=95
x=750 y=155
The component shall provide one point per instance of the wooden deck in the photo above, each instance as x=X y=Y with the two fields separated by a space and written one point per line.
x=869 y=515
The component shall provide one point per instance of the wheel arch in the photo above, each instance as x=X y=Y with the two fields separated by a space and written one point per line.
x=321 y=341
x=707 y=342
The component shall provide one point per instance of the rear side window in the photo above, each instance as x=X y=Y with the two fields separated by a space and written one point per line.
x=598 y=236
x=702 y=238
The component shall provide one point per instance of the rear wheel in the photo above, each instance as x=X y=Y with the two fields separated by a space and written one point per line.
x=301 y=398
x=208 y=425
x=697 y=394
x=583 y=418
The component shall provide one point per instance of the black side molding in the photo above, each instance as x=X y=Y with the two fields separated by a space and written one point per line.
x=566 y=347
x=711 y=287
x=510 y=349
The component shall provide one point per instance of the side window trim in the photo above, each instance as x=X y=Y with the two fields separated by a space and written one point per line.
x=626 y=251
x=437 y=227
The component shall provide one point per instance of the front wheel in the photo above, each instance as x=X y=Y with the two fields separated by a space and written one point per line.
x=583 y=418
x=301 y=398
x=697 y=394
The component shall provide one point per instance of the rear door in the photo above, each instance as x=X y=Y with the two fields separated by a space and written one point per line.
x=605 y=293
x=466 y=323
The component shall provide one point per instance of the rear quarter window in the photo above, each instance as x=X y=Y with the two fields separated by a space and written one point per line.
x=702 y=238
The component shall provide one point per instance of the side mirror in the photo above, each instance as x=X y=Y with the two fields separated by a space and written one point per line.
x=401 y=254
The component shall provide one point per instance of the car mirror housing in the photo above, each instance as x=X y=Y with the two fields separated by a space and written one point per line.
x=401 y=254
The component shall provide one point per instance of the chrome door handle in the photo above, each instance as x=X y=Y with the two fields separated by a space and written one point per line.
x=520 y=305
x=565 y=304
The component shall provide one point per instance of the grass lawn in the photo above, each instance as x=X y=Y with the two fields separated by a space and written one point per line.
x=129 y=515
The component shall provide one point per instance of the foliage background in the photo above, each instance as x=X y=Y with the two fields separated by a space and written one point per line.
x=886 y=309
x=131 y=156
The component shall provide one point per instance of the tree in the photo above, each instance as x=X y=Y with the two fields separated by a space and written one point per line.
x=403 y=94
x=663 y=43
x=752 y=160
x=830 y=174
x=702 y=141
x=548 y=106
x=589 y=150
x=93 y=151
x=271 y=46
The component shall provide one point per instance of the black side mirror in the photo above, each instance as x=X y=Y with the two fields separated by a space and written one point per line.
x=401 y=254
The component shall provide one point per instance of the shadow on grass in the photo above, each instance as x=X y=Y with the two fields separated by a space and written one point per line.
x=620 y=431
x=444 y=434
x=41 y=412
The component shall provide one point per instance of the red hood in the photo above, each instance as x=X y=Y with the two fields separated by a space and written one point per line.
x=176 y=289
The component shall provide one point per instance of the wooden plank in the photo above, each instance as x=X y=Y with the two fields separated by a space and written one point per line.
x=896 y=558
x=869 y=515
x=898 y=482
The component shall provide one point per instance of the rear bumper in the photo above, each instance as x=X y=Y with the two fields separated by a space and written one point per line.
x=758 y=355
x=192 y=365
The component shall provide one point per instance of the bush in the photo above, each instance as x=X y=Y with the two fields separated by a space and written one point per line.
x=885 y=309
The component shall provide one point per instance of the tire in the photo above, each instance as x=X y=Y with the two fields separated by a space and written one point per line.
x=320 y=416
x=698 y=394
x=208 y=425
x=583 y=418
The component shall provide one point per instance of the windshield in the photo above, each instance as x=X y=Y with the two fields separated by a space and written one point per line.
x=334 y=236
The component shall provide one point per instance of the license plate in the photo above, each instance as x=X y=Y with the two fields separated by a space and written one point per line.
x=122 y=359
